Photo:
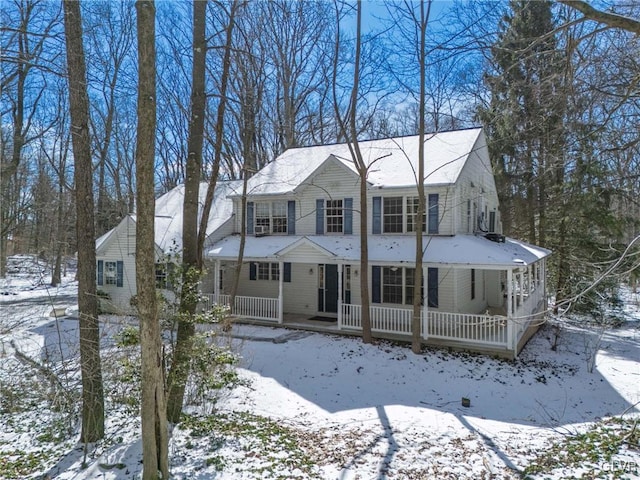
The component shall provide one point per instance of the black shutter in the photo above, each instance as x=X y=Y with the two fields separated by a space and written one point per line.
x=100 y=272
x=249 y=218
x=287 y=272
x=376 y=293
x=377 y=215
x=120 y=272
x=291 y=217
x=348 y=216
x=319 y=216
x=432 y=287
x=252 y=271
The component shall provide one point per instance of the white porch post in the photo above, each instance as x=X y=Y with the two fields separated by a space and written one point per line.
x=340 y=267
x=510 y=319
x=521 y=286
x=280 y=292
x=216 y=282
x=425 y=305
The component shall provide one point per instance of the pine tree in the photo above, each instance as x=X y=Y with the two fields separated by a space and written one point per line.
x=525 y=117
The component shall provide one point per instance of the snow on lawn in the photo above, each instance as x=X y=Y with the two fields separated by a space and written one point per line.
x=323 y=406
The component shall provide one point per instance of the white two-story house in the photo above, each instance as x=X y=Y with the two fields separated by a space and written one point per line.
x=301 y=259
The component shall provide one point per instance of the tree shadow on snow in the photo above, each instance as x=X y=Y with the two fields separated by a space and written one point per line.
x=543 y=388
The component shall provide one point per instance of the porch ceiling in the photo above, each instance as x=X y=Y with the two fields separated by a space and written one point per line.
x=458 y=250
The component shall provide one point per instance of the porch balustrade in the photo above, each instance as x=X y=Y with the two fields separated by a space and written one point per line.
x=258 y=308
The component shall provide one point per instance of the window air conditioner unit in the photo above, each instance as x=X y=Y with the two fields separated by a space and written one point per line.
x=261 y=230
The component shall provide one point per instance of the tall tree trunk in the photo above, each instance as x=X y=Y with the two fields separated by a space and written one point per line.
x=349 y=131
x=217 y=147
x=191 y=266
x=153 y=406
x=90 y=366
x=362 y=167
x=416 y=322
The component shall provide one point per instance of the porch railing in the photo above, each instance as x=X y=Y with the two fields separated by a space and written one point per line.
x=470 y=328
x=526 y=311
x=259 y=308
x=383 y=319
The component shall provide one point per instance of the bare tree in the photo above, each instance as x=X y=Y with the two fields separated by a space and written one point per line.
x=25 y=41
x=91 y=369
x=608 y=18
x=153 y=407
x=349 y=129
x=180 y=366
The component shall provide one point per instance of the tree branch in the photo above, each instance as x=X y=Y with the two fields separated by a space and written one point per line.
x=610 y=19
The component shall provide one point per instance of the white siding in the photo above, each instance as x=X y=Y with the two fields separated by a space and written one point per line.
x=465 y=303
x=476 y=183
x=335 y=182
x=301 y=294
x=121 y=246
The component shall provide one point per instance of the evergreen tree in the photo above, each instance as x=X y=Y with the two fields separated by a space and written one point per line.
x=525 y=117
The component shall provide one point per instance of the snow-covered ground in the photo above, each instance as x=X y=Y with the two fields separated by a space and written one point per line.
x=322 y=406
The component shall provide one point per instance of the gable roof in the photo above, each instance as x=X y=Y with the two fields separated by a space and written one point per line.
x=168 y=215
x=393 y=161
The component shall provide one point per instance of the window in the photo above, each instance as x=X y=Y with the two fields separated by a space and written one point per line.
x=110 y=273
x=410 y=286
x=270 y=217
x=397 y=285
x=267 y=271
x=412 y=210
x=398 y=214
x=162 y=274
x=392 y=215
x=334 y=216
x=392 y=285
x=434 y=199
x=279 y=216
x=263 y=218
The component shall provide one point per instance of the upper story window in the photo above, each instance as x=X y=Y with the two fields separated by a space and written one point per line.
x=335 y=216
x=412 y=210
x=398 y=214
x=271 y=217
x=279 y=217
x=392 y=215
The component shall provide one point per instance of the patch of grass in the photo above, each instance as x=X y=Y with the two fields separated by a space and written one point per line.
x=593 y=452
x=18 y=463
x=278 y=448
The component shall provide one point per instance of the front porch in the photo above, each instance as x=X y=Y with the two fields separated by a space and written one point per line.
x=502 y=335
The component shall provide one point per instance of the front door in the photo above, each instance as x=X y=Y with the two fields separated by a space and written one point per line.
x=328 y=288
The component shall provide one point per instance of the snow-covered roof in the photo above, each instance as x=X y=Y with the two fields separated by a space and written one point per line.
x=168 y=218
x=168 y=221
x=102 y=240
x=459 y=250
x=393 y=162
